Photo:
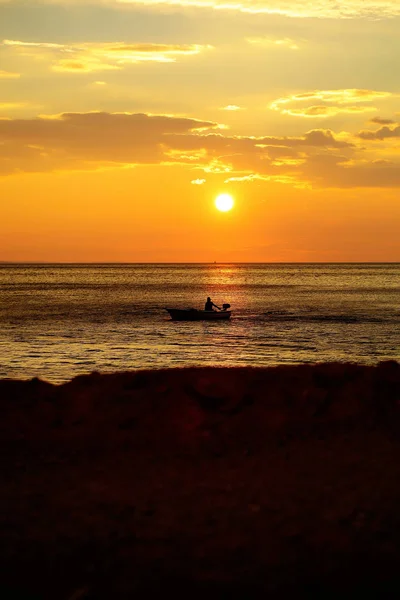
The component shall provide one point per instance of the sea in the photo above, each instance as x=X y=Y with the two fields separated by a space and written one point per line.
x=58 y=321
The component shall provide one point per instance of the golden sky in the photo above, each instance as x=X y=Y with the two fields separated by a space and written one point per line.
x=122 y=120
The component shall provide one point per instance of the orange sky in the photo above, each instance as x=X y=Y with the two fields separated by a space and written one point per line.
x=120 y=123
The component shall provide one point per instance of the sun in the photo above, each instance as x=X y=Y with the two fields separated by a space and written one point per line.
x=224 y=202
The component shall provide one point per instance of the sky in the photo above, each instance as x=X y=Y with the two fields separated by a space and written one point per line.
x=121 y=121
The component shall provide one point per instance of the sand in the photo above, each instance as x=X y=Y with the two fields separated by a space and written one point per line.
x=202 y=483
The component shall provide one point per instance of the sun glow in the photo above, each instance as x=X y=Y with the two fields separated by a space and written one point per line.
x=224 y=202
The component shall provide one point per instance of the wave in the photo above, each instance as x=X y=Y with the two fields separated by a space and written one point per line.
x=141 y=285
x=194 y=287
x=326 y=318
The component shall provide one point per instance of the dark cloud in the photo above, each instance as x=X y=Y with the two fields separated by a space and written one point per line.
x=381 y=121
x=340 y=172
x=118 y=138
x=141 y=138
x=365 y=176
x=380 y=134
x=316 y=138
x=75 y=141
x=324 y=137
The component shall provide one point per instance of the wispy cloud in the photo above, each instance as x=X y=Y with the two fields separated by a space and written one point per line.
x=9 y=75
x=12 y=105
x=268 y=42
x=372 y=9
x=198 y=181
x=307 y=8
x=32 y=44
x=232 y=107
x=334 y=102
x=248 y=178
x=92 y=57
x=321 y=111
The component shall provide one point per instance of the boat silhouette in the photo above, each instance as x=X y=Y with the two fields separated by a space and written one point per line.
x=193 y=314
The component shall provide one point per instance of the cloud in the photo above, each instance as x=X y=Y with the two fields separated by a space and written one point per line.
x=293 y=8
x=77 y=141
x=339 y=172
x=248 y=178
x=87 y=140
x=93 y=57
x=288 y=162
x=320 y=138
x=322 y=111
x=12 y=105
x=84 y=139
x=281 y=179
x=9 y=75
x=232 y=107
x=268 y=42
x=82 y=66
x=381 y=121
x=20 y=44
x=334 y=102
x=268 y=155
x=225 y=145
x=317 y=159
x=380 y=134
x=372 y=9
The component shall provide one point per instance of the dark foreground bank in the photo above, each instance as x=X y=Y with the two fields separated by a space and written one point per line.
x=202 y=482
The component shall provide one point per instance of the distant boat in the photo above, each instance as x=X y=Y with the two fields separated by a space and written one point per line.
x=192 y=314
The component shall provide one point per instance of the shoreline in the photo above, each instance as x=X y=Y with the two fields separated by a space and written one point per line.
x=201 y=481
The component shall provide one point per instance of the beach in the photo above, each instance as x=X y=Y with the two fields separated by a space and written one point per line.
x=255 y=481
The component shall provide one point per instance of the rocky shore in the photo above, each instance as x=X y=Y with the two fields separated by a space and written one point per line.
x=247 y=482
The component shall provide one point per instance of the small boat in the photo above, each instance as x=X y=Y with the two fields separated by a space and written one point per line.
x=192 y=314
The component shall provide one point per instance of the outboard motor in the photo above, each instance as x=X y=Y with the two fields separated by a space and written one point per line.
x=226 y=306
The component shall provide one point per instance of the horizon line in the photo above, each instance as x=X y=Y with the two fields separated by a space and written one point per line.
x=23 y=262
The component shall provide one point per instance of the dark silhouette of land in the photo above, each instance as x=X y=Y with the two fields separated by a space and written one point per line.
x=203 y=483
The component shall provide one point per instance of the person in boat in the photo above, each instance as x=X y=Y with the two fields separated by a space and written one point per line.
x=209 y=304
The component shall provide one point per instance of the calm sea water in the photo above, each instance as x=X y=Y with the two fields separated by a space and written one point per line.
x=57 y=321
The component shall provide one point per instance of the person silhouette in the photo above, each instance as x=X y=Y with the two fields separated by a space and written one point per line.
x=209 y=304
